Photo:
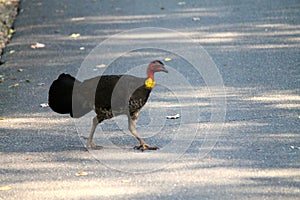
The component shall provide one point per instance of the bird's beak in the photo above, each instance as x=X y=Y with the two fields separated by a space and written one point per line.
x=163 y=69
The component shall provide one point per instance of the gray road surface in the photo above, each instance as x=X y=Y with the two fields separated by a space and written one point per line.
x=254 y=44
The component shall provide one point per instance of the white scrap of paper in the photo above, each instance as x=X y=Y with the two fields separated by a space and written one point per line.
x=44 y=105
x=173 y=116
x=37 y=45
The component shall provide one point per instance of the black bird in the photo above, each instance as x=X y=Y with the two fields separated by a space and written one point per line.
x=108 y=96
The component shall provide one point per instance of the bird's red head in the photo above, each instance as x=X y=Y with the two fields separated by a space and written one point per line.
x=155 y=66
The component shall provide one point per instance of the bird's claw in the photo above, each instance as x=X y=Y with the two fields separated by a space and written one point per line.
x=143 y=147
x=93 y=146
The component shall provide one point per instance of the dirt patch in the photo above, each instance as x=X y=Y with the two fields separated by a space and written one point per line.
x=8 y=13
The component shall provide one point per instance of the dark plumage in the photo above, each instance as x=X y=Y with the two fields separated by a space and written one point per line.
x=108 y=96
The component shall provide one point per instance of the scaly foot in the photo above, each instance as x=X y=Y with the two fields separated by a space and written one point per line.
x=143 y=147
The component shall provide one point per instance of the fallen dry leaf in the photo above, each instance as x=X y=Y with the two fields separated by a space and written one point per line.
x=75 y=35
x=14 y=85
x=101 y=66
x=167 y=59
x=11 y=31
x=5 y=188
x=37 y=45
x=1 y=78
x=81 y=174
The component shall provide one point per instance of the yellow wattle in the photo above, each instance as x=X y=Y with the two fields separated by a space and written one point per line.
x=149 y=83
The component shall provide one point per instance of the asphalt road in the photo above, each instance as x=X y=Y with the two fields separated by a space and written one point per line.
x=252 y=153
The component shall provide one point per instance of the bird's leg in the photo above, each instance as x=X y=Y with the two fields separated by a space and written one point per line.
x=90 y=142
x=131 y=126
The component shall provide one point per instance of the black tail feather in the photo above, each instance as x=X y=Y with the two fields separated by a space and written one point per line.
x=60 y=97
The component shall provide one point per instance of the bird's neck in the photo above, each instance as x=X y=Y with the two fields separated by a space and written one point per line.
x=150 y=74
x=150 y=83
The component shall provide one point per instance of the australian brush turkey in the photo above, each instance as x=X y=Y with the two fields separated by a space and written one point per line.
x=108 y=96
